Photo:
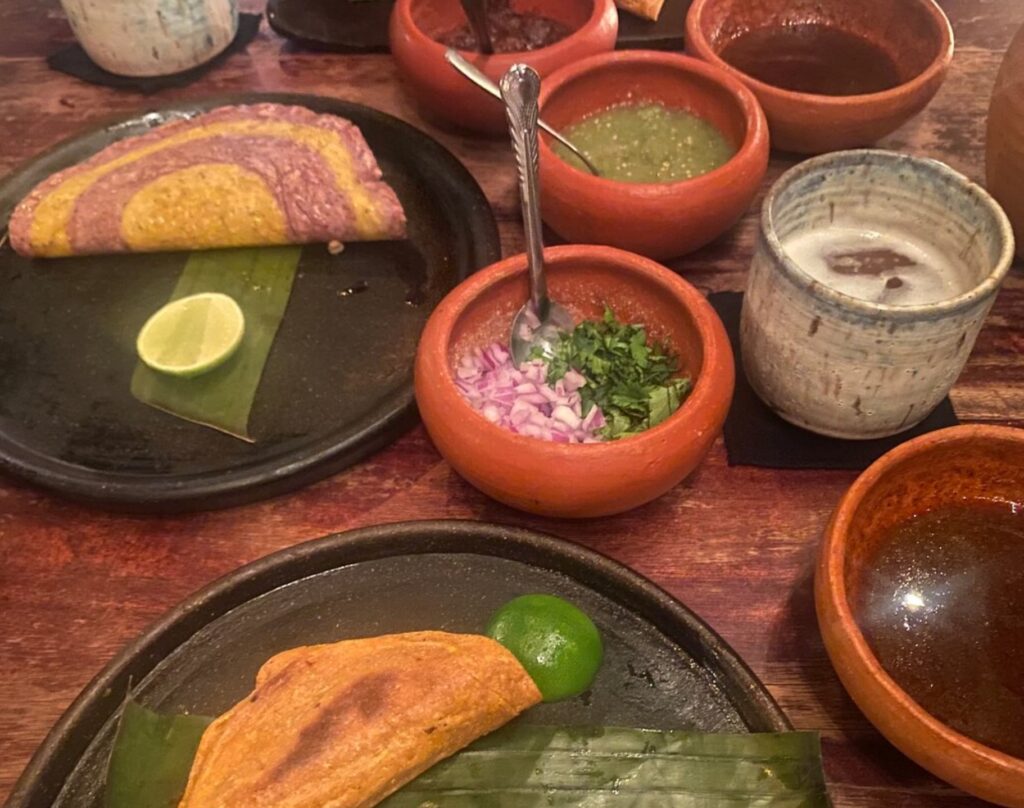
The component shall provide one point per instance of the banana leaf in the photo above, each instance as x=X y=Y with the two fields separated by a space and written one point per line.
x=260 y=281
x=536 y=767
x=151 y=758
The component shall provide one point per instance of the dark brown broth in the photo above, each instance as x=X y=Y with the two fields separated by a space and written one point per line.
x=812 y=58
x=942 y=606
x=511 y=32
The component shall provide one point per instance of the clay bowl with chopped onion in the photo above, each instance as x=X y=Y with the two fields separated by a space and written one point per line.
x=657 y=219
x=575 y=479
x=445 y=96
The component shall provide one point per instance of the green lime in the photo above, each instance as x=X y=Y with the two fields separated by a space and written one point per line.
x=191 y=335
x=559 y=645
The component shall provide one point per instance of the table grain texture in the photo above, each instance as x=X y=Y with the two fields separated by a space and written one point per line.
x=736 y=544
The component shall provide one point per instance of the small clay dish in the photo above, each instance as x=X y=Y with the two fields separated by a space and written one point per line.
x=942 y=468
x=659 y=220
x=449 y=98
x=914 y=34
x=581 y=480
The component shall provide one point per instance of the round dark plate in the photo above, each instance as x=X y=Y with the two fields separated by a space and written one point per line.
x=338 y=381
x=664 y=667
x=352 y=26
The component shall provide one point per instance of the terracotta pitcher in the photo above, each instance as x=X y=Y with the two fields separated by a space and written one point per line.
x=1004 y=156
x=152 y=37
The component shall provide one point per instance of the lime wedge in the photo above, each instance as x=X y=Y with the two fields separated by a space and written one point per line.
x=191 y=335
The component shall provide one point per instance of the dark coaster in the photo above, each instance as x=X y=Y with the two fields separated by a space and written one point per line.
x=756 y=436
x=664 y=34
x=74 y=61
x=344 y=26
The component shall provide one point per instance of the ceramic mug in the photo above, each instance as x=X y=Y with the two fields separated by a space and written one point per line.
x=855 y=368
x=152 y=37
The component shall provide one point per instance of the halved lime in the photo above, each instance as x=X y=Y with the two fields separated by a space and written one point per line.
x=559 y=646
x=191 y=335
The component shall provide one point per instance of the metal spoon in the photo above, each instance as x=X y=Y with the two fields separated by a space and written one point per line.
x=470 y=71
x=540 y=322
x=476 y=13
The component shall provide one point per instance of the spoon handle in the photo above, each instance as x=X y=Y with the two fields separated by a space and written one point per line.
x=520 y=87
x=479 y=78
x=476 y=13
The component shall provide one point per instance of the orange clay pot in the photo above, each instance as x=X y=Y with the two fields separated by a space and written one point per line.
x=915 y=34
x=446 y=96
x=944 y=467
x=575 y=480
x=660 y=220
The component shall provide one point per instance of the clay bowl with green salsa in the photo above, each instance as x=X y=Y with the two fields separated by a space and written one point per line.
x=920 y=600
x=682 y=147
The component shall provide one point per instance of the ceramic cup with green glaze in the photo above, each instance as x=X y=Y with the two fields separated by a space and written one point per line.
x=874 y=365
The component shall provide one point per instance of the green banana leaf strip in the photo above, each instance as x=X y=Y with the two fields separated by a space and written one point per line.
x=260 y=281
x=152 y=757
x=529 y=767
x=616 y=767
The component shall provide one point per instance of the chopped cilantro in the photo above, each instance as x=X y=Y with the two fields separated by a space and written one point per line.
x=635 y=384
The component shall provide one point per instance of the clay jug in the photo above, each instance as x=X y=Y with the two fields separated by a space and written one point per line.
x=1004 y=151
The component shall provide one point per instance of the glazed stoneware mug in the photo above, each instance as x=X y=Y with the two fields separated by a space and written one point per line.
x=152 y=37
x=875 y=362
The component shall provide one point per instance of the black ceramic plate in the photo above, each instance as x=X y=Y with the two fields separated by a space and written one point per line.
x=663 y=668
x=352 y=26
x=338 y=381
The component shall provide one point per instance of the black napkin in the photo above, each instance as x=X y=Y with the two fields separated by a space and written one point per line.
x=756 y=436
x=74 y=61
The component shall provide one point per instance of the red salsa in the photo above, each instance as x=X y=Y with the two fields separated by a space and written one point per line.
x=942 y=605
x=511 y=31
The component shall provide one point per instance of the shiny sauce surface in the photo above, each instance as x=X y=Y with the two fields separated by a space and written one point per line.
x=812 y=58
x=941 y=604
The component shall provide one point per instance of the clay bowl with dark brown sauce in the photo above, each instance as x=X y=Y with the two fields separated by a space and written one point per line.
x=658 y=219
x=444 y=95
x=920 y=600
x=575 y=480
x=830 y=74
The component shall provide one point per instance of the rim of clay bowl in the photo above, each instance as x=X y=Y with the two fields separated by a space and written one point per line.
x=403 y=8
x=989 y=285
x=714 y=342
x=755 y=139
x=695 y=37
x=833 y=566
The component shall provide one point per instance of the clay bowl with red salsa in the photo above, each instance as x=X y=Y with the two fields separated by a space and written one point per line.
x=588 y=479
x=830 y=74
x=920 y=600
x=420 y=28
x=657 y=219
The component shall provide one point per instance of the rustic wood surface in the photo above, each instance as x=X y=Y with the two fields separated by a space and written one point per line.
x=736 y=544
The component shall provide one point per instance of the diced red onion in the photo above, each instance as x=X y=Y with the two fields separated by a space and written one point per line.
x=521 y=400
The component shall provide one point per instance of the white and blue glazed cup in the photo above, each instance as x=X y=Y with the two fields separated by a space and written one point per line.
x=850 y=368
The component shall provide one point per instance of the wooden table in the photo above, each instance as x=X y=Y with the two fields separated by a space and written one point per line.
x=736 y=544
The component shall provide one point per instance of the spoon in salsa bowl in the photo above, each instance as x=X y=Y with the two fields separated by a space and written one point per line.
x=541 y=322
x=476 y=13
x=471 y=72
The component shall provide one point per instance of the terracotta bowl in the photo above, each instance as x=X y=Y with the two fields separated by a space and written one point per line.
x=915 y=34
x=944 y=467
x=660 y=220
x=446 y=96
x=575 y=480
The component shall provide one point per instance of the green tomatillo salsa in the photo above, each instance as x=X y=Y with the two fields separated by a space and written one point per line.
x=647 y=142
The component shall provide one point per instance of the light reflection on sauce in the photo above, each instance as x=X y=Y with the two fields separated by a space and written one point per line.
x=942 y=606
